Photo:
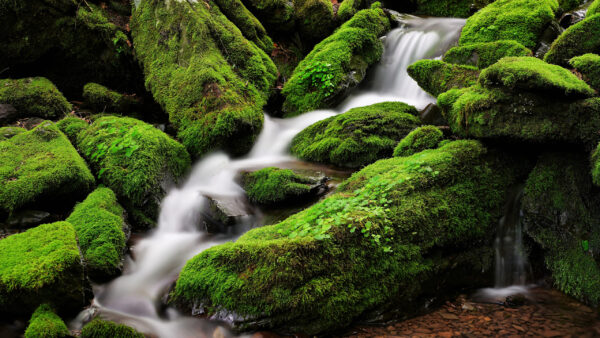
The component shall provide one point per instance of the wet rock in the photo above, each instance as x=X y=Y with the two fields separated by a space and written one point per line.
x=222 y=212
x=432 y=115
x=25 y=219
x=436 y=77
x=548 y=36
x=516 y=300
x=8 y=113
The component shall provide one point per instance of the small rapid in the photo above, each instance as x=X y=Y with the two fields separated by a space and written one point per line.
x=136 y=298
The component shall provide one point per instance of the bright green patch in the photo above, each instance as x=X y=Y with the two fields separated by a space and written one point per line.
x=422 y=138
x=579 y=39
x=274 y=185
x=72 y=126
x=483 y=55
x=99 y=328
x=436 y=77
x=589 y=66
x=314 y=18
x=450 y=8
x=36 y=97
x=247 y=23
x=44 y=323
x=8 y=132
x=593 y=9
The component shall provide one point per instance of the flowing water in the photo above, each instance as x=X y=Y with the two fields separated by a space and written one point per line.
x=136 y=297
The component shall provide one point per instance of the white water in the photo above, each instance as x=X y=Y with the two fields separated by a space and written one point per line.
x=135 y=298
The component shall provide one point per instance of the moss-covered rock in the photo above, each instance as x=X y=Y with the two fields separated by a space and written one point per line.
x=44 y=323
x=8 y=132
x=521 y=20
x=278 y=16
x=210 y=79
x=247 y=23
x=579 y=39
x=348 y=8
x=336 y=64
x=41 y=265
x=449 y=8
x=99 y=328
x=72 y=126
x=272 y=185
x=387 y=237
x=41 y=167
x=136 y=160
x=593 y=9
x=358 y=137
x=315 y=18
x=32 y=97
x=99 y=223
x=436 y=77
x=422 y=138
x=483 y=55
x=588 y=65
x=560 y=213
x=101 y=99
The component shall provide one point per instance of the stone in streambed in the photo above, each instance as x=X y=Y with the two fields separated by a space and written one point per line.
x=274 y=186
x=436 y=77
x=579 y=39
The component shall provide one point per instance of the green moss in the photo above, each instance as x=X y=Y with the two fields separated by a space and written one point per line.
x=41 y=265
x=588 y=65
x=72 y=126
x=358 y=137
x=102 y=99
x=533 y=74
x=98 y=221
x=436 y=77
x=593 y=9
x=273 y=185
x=449 y=8
x=596 y=166
x=276 y=15
x=135 y=160
x=483 y=55
x=210 y=79
x=348 y=8
x=422 y=138
x=314 y=18
x=44 y=323
x=8 y=132
x=389 y=231
x=248 y=24
x=336 y=63
x=521 y=20
x=568 y=5
x=579 y=39
x=34 y=97
x=41 y=166
x=98 y=328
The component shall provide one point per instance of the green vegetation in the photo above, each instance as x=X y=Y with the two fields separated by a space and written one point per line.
x=314 y=18
x=593 y=9
x=588 y=65
x=247 y=23
x=72 y=126
x=99 y=223
x=483 y=55
x=436 y=77
x=44 y=323
x=521 y=20
x=579 y=39
x=41 y=166
x=276 y=15
x=135 y=160
x=596 y=165
x=422 y=138
x=358 y=137
x=41 y=265
x=33 y=97
x=336 y=63
x=449 y=8
x=8 y=132
x=348 y=8
x=102 y=99
x=273 y=185
x=99 y=328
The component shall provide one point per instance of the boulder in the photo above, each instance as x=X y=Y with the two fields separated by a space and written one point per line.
x=588 y=65
x=44 y=323
x=99 y=328
x=101 y=99
x=275 y=15
x=247 y=23
x=274 y=186
x=485 y=54
x=315 y=19
x=422 y=138
x=72 y=126
x=436 y=77
x=579 y=39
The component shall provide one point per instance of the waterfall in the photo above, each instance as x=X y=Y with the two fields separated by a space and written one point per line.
x=135 y=298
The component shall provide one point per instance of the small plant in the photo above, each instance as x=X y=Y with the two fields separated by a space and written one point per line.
x=320 y=75
x=124 y=144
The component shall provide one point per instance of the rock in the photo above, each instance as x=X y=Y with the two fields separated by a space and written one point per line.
x=72 y=126
x=348 y=244
x=8 y=132
x=315 y=19
x=222 y=212
x=549 y=35
x=483 y=55
x=277 y=187
x=104 y=328
x=31 y=97
x=102 y=99
x=24 y=219
x=576 y=40
x=574 y=16
x=137 y=161
x=516 y=300
x=436 y=77
x=588 y=65
x=432 y=114
x=42 y=265
x=41 y=169
x=422 y=138
x=277 y=15
x=358 y=137
x=336 y=64
x=45 y=323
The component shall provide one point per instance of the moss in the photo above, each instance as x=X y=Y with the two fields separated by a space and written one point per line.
x=135 y=160
x=593 y=9
x=588 y=65
x=98 y=221
x=483 y=55
x=273 y=185
x=449 y=8
x=579 y=39
x=393 y=228
x=41 y=265
x=348 y=8
x=210 y=79
x=314 y=18
x=72 y=126
x=521 y=20
x=98 y=328
x=102 y=99
x=8 y=132
x=336 y=63
x=44 y=323
x=436 y=77
x=569 y=5
x=41 y=166
x=595 y=164
x=33 y=97
x=248 y=24
x=422 y=138
x=276 y=15
x=358 y=137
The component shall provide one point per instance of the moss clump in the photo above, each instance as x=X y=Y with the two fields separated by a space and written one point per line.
x=98 y=221
x=483 y=55
x=102 y=99
x=8 y=132
x=560 y=213
x=41 y=166
x=521 y=20
x=41 y=265
x=314 y=18
x=449 y=8
x=422 y=138
x=579 y=39
x=209 y=78
x=276 y=15
x=436 y=77
x=137 y=161
x=348 y=8
x=336 y=64
x=596 y=166
x=588 y=65
x=72 y=126
x=393 y=227
x=33 y=97
x=273 y=185
x=593 y=9
x=358 y=137
x=44 y=323
x=98 y=328
x=247 y=23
